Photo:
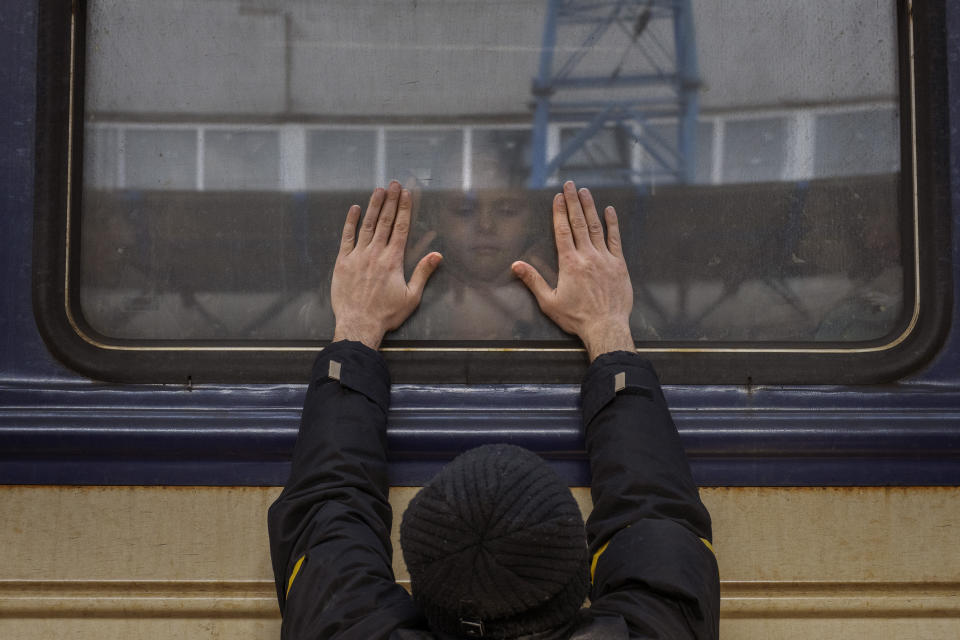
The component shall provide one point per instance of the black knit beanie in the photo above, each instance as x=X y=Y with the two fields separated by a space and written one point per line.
x=495 y=546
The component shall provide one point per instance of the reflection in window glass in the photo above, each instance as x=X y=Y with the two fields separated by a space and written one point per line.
x=160 y=159
x=499 y=158
x=858 y=143
x=605 y=149
x=702 y=161
x=433 y=157
x=602 y=159
x=654 y=151
x=341 y=159
x=754 y=150
x=101 y=150
x=241 y=159
x=751 y=151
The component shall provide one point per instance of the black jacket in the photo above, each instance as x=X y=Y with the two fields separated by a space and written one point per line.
x=654 y=575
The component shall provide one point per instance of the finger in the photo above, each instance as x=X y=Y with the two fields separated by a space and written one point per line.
x=546 y=270
x=348 y=239
x=534 y=281
x=613 y=232
x=578 y=223
x=594 y=228
x=388 y=212
x=561 y=226
x=401 y=226
x=424 y=269
x=370 y=217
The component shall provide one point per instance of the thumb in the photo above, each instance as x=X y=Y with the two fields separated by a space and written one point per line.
x=422 y=272
x=534 y=281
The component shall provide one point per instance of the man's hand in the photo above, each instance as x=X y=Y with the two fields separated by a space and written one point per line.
x=369 y=294
x=594 y=297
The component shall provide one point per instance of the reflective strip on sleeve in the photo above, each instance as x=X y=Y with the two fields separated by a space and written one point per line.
x=709 y=546
x=596 y=556
x=296 y=570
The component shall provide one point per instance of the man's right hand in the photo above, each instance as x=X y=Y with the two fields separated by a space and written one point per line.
x=368 y=293
x=593 y=298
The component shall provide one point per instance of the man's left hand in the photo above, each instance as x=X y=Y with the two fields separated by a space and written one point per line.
x=369 y=294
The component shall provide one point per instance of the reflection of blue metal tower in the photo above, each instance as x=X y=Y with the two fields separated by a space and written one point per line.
x=630 y=65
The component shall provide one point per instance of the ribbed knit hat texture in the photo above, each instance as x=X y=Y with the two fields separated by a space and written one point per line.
x=496 y=541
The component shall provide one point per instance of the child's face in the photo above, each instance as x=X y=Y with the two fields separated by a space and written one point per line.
x=485 y=234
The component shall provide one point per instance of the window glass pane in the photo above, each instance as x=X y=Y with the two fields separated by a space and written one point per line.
x=434 y=158
x=751 y=150
x=101 y=148
x=159 y=159
x=601 y=159
x=606 y=148
x=862 y=142
x=481 y=233
x=499 y=158
x=703 y=158
x=341 y=159
x=656 y=152
x=241 y=160
x=754 y=150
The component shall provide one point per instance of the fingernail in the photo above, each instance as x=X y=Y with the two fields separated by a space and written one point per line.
x=569 y=186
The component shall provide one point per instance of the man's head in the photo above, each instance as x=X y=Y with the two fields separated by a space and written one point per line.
x=496 y=542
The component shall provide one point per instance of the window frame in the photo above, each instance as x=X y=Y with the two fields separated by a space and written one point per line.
x=925 y=162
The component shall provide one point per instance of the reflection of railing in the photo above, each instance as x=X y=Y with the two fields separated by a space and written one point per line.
x=759 y=145
x=648 y=58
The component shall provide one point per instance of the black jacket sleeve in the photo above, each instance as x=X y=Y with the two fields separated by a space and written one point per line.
x=649 y=533
x=330 y=527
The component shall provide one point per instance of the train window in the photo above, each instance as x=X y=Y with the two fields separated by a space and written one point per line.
x=756 y=150
x=434 y=158
x=856 y=142
x=604 y=159
x=157 y=159
x=763 y=159
x=341 y=159
x=502 y=158
x=241 y=160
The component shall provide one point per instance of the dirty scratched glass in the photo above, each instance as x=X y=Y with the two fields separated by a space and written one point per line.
x=752 y=151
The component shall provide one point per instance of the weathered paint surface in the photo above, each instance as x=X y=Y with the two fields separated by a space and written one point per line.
x=189 y=562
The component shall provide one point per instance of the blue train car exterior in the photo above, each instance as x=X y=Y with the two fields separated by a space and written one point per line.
x=60 y=427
